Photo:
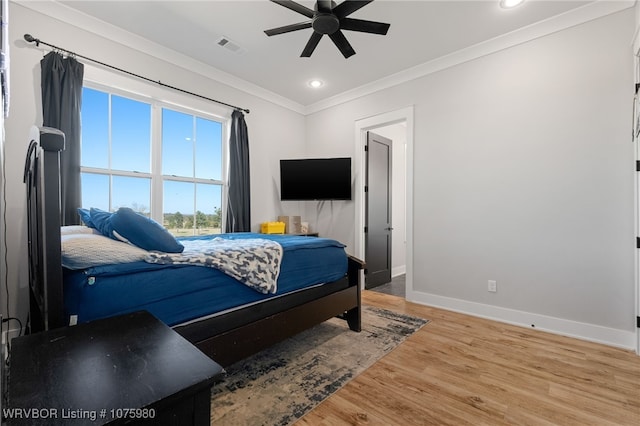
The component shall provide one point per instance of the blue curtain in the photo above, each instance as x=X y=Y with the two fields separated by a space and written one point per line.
x=239 y=203
x=61 y=83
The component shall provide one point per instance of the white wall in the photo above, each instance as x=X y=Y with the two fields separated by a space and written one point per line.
x=523 y=174
x=268 y=142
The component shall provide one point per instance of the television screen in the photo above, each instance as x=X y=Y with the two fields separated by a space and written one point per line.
x=315 y=179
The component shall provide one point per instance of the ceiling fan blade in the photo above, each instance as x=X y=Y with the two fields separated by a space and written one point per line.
x=341 y=43
x=292 y=5
x=346 y=8
x=311 y=45
x=288 y=28
x=364 y=26
x=324 y=6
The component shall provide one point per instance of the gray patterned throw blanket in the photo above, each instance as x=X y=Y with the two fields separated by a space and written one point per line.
x=254 y=262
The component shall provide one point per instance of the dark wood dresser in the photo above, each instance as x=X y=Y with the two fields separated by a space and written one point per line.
x=129 y=369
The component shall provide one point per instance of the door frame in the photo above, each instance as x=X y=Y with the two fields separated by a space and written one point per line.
x=362 y=126
x=636 y=182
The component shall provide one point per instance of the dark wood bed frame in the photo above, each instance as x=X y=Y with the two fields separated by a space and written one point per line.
x=227 y=336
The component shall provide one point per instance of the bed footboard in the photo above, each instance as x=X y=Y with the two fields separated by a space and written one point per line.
x=354 y=315
x=239 y=342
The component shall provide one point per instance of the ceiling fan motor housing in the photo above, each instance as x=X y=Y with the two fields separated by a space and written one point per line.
x=325 y=23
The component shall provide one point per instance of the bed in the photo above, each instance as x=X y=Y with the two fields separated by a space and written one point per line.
x=224 y=317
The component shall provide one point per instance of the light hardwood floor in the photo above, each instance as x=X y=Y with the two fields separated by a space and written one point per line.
x=461 y=370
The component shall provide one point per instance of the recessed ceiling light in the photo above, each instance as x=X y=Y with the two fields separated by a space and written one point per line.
x=508 y=4
x=315 y=83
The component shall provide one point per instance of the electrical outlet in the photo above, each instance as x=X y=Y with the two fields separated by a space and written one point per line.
x=492 y=286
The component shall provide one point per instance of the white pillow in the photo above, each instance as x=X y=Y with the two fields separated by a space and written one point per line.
x=77 y=229
x=80 y=251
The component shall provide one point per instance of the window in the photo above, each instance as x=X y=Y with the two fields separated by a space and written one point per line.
x=158 y=160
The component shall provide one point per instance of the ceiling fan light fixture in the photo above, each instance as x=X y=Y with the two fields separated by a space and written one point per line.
x=510 y=4
x=315 y=83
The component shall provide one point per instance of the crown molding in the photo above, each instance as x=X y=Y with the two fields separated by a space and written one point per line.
x=73 y=17
x=586 y=13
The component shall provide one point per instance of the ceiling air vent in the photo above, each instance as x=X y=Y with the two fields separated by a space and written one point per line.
x=229 y=45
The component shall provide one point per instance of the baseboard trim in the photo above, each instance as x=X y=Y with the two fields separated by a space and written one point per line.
x=590 y=332
x=398 y=270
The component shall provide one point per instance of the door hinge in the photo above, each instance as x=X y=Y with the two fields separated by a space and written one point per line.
x=366 y=189
x=638 y=242
x=366 y=229
x=637 y=166
x=638 y=322
x=637 y=87
x=366 y=148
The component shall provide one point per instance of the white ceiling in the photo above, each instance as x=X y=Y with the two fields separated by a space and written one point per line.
x=420 y=32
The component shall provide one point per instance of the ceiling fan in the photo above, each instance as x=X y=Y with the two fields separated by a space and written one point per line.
x=330 y=19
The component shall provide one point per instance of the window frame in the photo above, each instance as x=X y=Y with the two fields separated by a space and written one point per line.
x=157 y=178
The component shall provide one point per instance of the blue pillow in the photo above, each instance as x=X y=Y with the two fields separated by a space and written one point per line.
x=102 y=221
x=85 y=216
x=142 y=231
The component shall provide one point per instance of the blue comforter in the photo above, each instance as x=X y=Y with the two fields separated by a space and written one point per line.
x=179 y=293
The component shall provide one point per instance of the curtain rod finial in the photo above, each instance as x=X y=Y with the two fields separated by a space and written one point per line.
x=30 y=39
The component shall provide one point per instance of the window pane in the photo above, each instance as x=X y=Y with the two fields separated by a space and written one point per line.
x=208 y=209
x=95 y=128
x=208 y=149
x=178 y=207
x=95 y=191
x=132 y=192
x=130 y=135
x=177 y=143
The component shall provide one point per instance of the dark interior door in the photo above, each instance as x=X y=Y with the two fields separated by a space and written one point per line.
x=378 y=210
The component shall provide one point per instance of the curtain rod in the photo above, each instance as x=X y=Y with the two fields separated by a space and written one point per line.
x=29 y=38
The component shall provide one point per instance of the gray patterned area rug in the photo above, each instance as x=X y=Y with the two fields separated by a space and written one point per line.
x=279 y=385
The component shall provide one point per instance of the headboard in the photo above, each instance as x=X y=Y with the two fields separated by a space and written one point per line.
x=42 y=179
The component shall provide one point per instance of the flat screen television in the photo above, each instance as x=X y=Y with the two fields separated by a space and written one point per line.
x=315 y=179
